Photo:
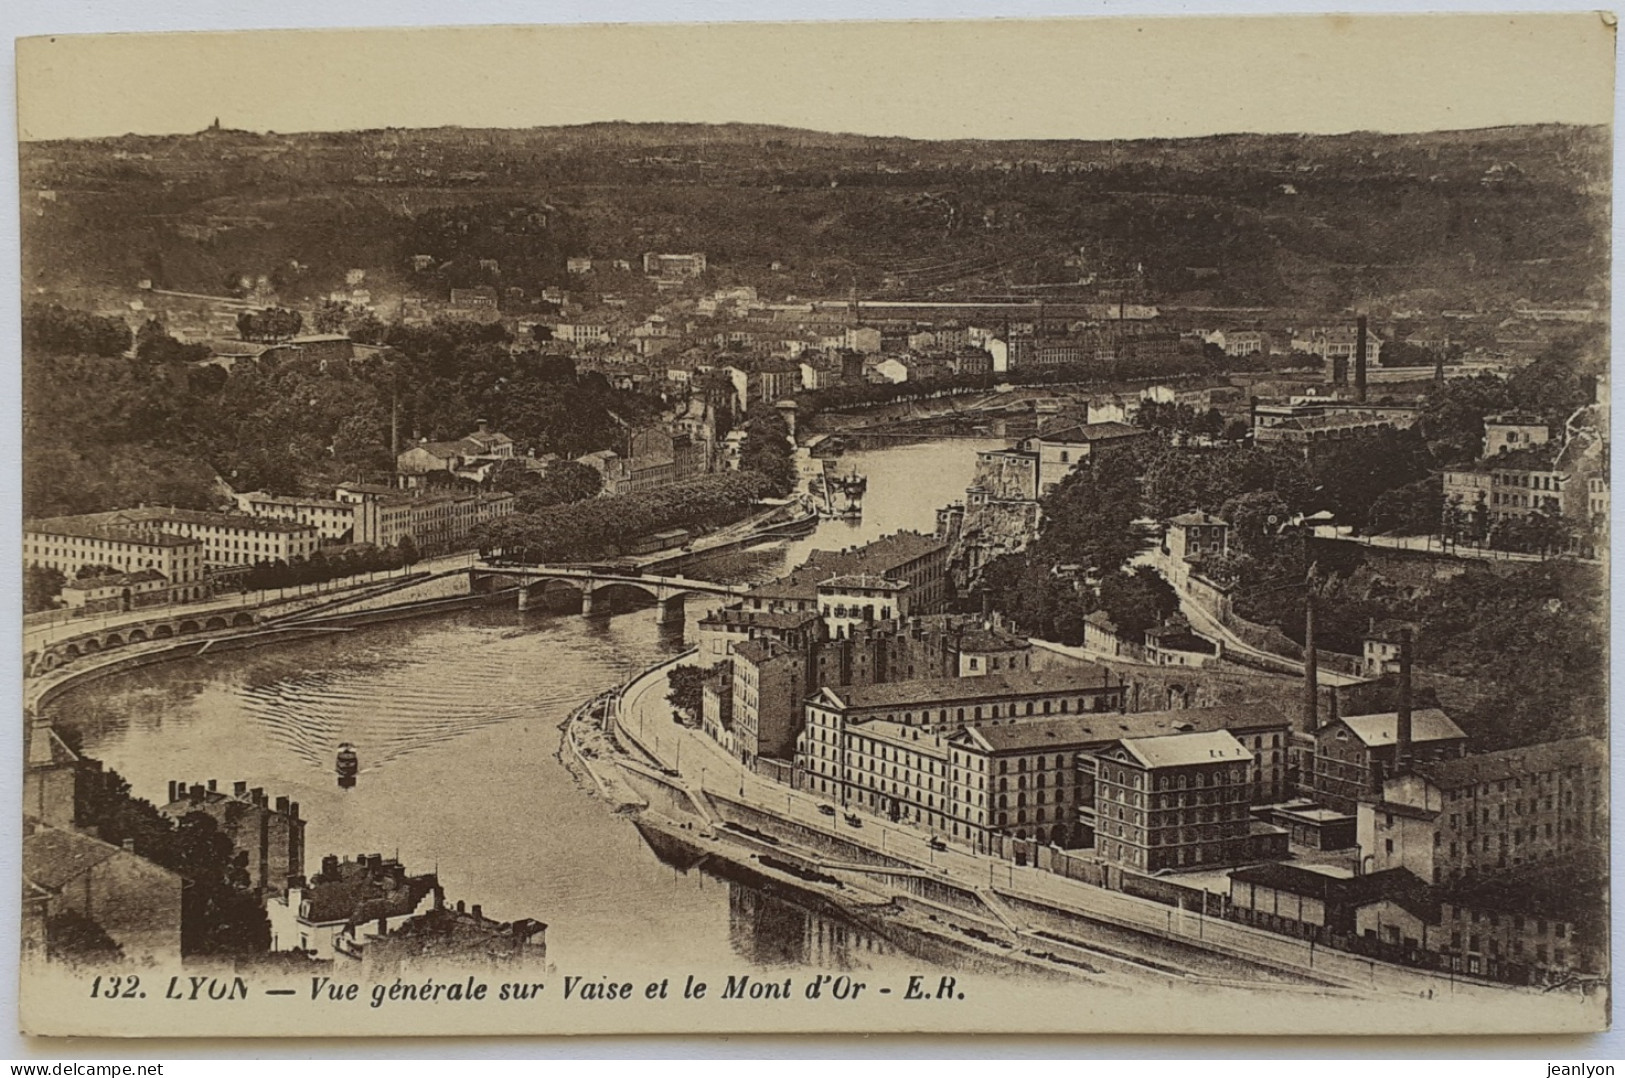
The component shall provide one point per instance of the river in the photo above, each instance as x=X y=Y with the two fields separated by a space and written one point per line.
x=456 y=719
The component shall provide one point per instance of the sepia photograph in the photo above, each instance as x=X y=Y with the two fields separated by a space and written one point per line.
x=1026 y=526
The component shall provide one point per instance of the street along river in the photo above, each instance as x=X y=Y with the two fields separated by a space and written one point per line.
x=456 y=718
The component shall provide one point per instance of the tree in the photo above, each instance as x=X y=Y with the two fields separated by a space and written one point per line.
x=1137 y=601
x=1416 y=508
x=1451 y=418
x=567 y=481
x=219 y=913
x=1257 y=519
x=1352 y=474
x=767 y=449
x=41 y=586
x=1088 y=519
x=687 y=690
x=57 y=330
x=330 y=317
x=271 y=324
x=153 y=344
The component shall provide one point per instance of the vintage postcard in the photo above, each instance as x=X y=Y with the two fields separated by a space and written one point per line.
x=1033 y=526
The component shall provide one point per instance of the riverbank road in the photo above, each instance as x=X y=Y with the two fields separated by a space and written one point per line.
x=645 y=716
x=41 y=631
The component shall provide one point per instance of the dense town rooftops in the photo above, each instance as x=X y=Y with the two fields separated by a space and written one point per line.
x=982 y=640
x=1534 y=458
x=453 y=931
x=861 y=582
x=1084 y=433
x=932 y=691
x=365 y=890
x=731 y=617
x=1185 y=750
x=757 y=652
x=1427 y=724
x=885 y=555
x=1574 y=752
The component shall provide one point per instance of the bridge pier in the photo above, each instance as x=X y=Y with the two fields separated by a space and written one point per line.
x=524 y=597
x=586 y=603
x=672 y=610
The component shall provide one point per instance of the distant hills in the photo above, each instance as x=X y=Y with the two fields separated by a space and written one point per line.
x=1438 y=220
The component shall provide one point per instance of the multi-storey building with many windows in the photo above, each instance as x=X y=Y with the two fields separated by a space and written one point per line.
x=69 y=544
x=1175 y=801
x=1008 y=776
x=1490 y=813
x=1354 y=755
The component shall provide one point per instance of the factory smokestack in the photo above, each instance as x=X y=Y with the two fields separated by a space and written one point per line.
x=1311 y=669
x=1402 y=722
x=1359 y=359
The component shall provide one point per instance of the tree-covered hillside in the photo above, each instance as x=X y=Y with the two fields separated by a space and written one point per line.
x=1451 y=218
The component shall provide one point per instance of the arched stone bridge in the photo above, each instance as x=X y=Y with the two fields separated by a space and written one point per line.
x=667 y=591
x=96 y=641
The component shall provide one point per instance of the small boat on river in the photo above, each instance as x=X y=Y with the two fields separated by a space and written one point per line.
x=839 y=496
x=348 y=762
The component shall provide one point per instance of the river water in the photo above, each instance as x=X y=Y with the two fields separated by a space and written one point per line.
x=456 y=719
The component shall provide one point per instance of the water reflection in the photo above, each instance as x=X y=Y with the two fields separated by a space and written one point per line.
x=455 y=719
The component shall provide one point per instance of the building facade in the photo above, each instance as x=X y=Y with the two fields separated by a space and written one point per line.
x=1491 y=813
x=1176 y=801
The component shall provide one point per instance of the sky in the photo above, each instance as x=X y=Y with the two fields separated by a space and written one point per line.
x=1068 y=78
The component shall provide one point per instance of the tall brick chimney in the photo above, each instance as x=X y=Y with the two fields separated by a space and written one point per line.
x=1311 y=669
x=1359 y=359
x=1402 y=721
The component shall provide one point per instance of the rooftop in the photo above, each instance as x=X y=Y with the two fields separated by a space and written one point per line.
x=1535 y=458
x=1198 y=517
x=113 y=580
x=262 y=498
x=903 y=734
x=83 y=528
x=1098 y=729
x=1185 y=750
x=365 y=890
x=862 y=582
x=1427 y=724
x=921 y=692
x=986 y=640
x=1345 y=890
x=1093 y=432
x=1517 y=763
x=731 y=616
x=53 y=858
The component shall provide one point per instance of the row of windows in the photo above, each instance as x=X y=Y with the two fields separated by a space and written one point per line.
x=1523 y=479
